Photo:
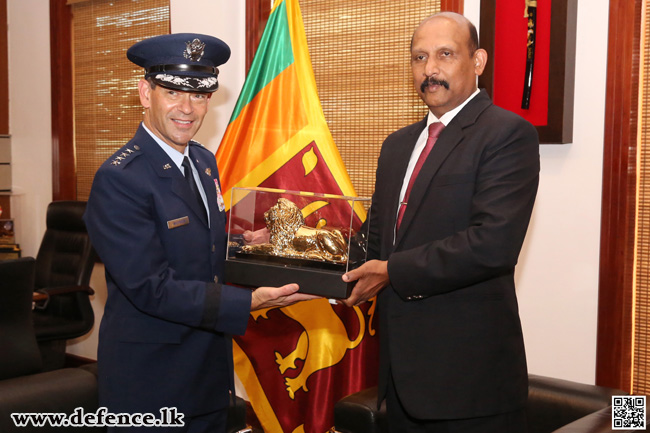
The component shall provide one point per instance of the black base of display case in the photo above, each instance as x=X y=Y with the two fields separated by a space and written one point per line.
x=321 y=282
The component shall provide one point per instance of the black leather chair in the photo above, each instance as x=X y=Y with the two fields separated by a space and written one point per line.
x=597 y=422
x=358 y=413
x=237 y=417
x=23 y=387
x=553 y=404
x=64 y=264
x=20 y=351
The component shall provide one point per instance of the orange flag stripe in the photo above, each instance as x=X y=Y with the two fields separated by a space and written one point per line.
x=262 y=127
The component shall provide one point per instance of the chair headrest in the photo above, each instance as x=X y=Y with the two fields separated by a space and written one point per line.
x=66 y=215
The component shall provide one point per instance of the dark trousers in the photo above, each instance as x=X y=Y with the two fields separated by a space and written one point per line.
x=401 y=422
x=213 y=422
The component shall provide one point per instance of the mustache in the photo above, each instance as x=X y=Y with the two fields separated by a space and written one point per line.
x=431 y=82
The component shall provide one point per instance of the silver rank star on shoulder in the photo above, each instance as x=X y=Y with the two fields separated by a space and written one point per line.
x=122 y=156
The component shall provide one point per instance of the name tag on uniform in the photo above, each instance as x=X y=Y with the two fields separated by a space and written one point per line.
x=178 y=222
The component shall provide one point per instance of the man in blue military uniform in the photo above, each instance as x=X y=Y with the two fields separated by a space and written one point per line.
x=156 y=218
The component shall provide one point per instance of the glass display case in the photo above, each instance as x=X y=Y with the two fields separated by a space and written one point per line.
x=277 y=237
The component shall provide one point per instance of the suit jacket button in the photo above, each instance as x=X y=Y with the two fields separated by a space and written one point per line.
x=216 y=279
x=213 y=248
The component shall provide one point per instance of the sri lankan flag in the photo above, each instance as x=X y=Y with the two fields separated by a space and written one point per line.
x=294 y=362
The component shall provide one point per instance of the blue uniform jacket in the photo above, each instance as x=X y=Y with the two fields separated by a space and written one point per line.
x=164 y=339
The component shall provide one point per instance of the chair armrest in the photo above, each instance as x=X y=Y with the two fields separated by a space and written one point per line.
x=358 y=413
x=553 y=403
x=42 y=296
x=63 y=290
x=237 y=416
x=59 y=391
x=597 y=422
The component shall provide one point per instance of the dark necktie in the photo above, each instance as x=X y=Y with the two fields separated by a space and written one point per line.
x=189 y=177
x=434 y=131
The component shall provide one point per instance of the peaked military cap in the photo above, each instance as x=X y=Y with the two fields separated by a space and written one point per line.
x=182 y=61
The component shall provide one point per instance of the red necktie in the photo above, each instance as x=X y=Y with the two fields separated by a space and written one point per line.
x=434 y=131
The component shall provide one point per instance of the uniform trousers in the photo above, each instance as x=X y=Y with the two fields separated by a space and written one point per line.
x=213 y=422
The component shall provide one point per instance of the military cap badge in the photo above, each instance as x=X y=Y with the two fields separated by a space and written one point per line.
x=194 y=50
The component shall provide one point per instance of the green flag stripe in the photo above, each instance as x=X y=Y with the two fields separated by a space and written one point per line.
x=273 y=56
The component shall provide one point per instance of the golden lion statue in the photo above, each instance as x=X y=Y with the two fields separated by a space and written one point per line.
x=290 y=237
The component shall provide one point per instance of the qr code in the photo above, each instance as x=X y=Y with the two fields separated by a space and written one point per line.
x=628 y=412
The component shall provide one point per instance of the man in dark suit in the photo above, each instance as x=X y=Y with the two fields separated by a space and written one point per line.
x=156 y=218
x=452 y=353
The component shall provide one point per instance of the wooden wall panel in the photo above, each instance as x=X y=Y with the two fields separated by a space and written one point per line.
x=614 y=348
x=64 y=185
x=4 y=71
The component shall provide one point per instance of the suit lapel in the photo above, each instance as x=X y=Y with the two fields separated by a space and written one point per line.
x=450 y=137
x=165 y=168
x=447 y=141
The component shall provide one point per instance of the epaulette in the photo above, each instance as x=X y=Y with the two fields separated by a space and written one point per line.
x=199 y=145
x=124 y=155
